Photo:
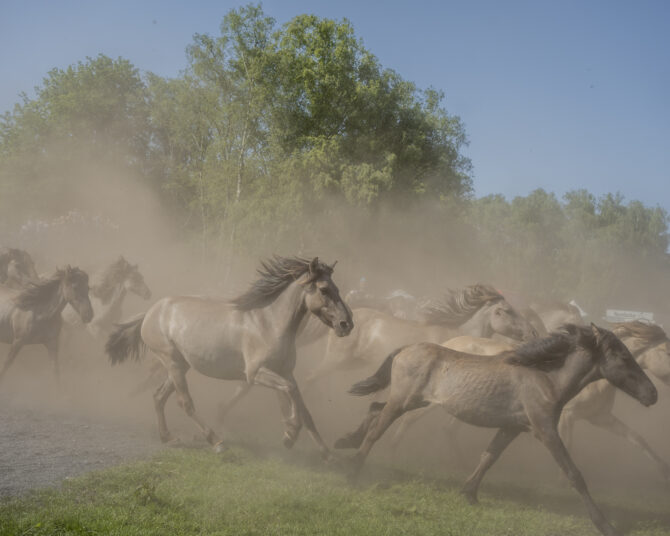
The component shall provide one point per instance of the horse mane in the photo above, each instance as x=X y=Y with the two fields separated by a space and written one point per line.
x=641 y=330
x=40 y=294
x=106 y=283
x=275 y=274
x=550 y=352
x=551 y=305
x=8 y=255
x=457 y=306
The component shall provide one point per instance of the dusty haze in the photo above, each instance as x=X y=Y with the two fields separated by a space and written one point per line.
x=90 y=215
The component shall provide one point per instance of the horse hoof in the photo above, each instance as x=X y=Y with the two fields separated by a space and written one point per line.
x=470 y=496
x=220 y=447
x=288 y=441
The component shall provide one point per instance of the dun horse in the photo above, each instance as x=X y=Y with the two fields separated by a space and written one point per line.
x=33 y=315
x=651 y=348
x=477 y=310
x=17 y=268
x=107 y=294
x=522 y=391
x=251 y=338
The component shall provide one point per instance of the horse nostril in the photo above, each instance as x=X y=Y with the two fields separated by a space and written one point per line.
x=344 y=324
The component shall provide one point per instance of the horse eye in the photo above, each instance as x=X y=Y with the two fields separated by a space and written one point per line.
x=323 y=290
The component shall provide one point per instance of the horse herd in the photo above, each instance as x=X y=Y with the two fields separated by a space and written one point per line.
x=547 y=375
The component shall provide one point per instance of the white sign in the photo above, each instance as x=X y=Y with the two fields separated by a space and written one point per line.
x=617 y=315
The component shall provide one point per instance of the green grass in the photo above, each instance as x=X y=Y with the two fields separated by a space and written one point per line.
x=242 y=493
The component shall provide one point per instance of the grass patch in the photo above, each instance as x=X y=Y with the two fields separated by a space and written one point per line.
x=185 y=492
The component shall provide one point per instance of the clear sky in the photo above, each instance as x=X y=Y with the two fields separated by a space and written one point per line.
x=560 y=95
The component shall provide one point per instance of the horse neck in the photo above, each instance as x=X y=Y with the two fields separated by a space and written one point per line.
x=477 y=325
x=578 y=370
x=285 y=314
x=655 y=359
x=55 y=305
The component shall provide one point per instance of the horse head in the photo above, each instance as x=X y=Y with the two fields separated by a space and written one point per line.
x=322 y=298
x=74 y=287
x=619 y=367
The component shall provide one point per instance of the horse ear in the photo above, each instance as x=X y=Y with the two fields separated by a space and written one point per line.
x=596 y=331
x=314 y=266
x=332 y=266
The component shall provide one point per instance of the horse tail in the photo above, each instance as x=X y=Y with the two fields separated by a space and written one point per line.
x=126 y=341
x=379 y=380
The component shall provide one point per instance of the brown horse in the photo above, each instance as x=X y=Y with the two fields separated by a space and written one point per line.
x=17 y=268
x=251 y=338
x=477 y=310
x=650 y=346
x=33 y=315
x=107 y=293
x=522 y=391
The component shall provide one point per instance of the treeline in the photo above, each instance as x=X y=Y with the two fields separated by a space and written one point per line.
x=294 y=137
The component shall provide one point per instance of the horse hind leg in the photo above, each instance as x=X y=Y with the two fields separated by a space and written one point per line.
x=160 y=398
x=503 y=437
x=11 y=356
x=391 y=411
x=354 y=439
x=178 y=376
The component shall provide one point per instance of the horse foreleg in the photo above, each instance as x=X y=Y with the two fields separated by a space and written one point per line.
x=503 y=437
x=613 y=424
x=11 y=355
x=240 y=393
x=52 y=351
x=550 y=438
x=268 y=378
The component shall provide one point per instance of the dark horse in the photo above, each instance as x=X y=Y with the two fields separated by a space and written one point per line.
x=33 y=315
x=17 y=268
x=250 y=338
x=523 y=390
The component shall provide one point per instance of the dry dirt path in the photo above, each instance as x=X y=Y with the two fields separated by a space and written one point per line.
x=41 y=447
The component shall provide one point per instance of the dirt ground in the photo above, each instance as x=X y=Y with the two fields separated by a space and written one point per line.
x=39 y=447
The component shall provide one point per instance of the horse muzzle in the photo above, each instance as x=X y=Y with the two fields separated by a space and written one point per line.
x=343 y=327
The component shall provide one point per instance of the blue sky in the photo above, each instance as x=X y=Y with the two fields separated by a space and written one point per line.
x=558 y=95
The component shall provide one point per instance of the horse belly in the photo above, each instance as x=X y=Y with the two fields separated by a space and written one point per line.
x=222 y=364
x=479 y=401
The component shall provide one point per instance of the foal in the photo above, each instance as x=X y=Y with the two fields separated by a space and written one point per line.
x=523 y=390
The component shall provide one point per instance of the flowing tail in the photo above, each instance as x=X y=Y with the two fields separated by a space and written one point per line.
x=379 y=380
x=126 y=341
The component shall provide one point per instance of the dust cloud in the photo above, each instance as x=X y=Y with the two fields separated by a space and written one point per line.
x=91 y=214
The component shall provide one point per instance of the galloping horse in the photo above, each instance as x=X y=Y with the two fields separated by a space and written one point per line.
x=523 y=390
x=33 y=315
x=250 y=338
x=107 y=293
x=477 y=310
x=650 y=346
x=17 y=268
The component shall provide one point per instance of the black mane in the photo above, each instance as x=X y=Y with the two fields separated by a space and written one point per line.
x=550 y=352
x=275 y=275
